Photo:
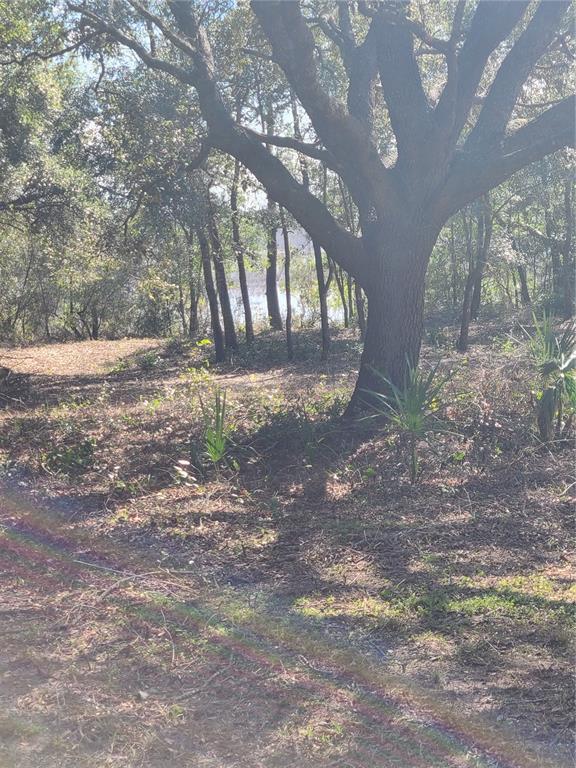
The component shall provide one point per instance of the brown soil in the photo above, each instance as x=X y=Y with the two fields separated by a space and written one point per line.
x=302 y=604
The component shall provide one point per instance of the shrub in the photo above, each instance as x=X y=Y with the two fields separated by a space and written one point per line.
x=148 y=361
x=70 y=459
x=215 y=427
x=412 y=409
x=555 y=357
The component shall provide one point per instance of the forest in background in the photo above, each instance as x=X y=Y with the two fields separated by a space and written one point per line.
x=112 y=225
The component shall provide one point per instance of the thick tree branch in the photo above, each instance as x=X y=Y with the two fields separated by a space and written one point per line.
x=28 y=198
x=491 y=24
x=402 y=85
x=514 y=70
x=168 y=33
x=348 y=139
x=475 y=173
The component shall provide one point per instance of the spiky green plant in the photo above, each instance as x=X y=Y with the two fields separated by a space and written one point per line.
x=555 y=356
x=215 y=431
x=411 y=409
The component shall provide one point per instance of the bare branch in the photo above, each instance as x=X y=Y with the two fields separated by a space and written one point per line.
x=50 y=54
x=101 y=26
x=311 y=150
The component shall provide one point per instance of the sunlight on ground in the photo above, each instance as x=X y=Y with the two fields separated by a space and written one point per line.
x=337 y=704
x=74 y=358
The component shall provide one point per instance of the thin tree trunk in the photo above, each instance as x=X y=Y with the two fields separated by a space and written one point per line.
x=481 y=262
x=193 y=324
x=524 y=292
x=272 y=300
x=516 y=294
x=568 y=293
x=182 y=306
x=453 y=266
x=323 y=297
x=230 y=339
x=94 y=323
x=360 y=309
x=339 y=276
x=462 y=343
x=349 y=282
x=219 y=348
x=237 y=245
x=287 y=286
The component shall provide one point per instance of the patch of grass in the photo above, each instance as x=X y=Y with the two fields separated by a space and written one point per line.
x=70 y=459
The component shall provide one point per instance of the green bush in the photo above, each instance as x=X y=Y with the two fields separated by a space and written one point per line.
x=555 y=356
x=412 y=410
x=70 y=459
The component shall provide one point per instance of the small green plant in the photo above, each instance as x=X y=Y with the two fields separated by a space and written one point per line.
x=70 y=459
x=148 y=361
x=176 y=346
x=555 y=357
x=216 y=429
x=412 y=409
x=120 y=367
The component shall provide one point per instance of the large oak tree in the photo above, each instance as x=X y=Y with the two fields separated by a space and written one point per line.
x=450 y=149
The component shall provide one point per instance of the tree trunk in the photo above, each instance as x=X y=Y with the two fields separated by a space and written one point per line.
x=287 y=286
x=230 y=339
x=272 y=301
x=349 y=282
x=182 y=306
x=323 y=296
x=462 y=343
x=94 y=323
x=219 y=349
x=568 y=293
x=360 y=309
x=193 y=325
x=524 y=292
x=395 y=290
x=453 y=267
x=339 y=275
x=237 y=245
x=481 y=262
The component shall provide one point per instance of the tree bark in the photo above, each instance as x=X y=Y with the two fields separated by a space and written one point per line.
x=481 y=262
x=339 y=277
x=462 y=343
x=323 y=298
x=272 y=300
x=360 y=309
x=395 y=292
x=524 y=292
x=230 y=339
x=287 y=286
x=219 y=348
x=239 y=251
x=568 y=293
x=193 y=297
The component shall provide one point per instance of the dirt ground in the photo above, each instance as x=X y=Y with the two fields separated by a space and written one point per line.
x=301 y=602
